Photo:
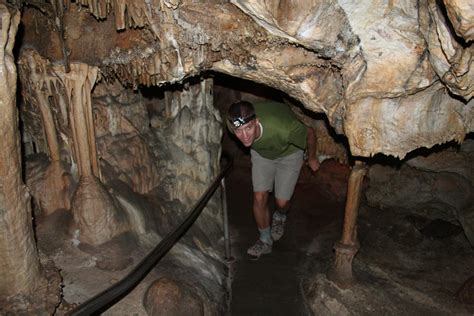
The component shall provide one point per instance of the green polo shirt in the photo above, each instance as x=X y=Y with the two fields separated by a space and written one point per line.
x=283 y=134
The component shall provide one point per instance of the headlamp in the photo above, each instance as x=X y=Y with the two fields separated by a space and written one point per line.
x=239 y=121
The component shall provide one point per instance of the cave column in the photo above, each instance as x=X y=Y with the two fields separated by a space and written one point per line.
x=79 y=83
x=95 y=216
x=20 y=271
x=347 y=247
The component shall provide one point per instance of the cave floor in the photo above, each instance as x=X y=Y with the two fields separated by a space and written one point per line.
x=399 y=269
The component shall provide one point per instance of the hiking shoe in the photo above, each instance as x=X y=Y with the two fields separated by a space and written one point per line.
x=260 y=248
x=278 y=226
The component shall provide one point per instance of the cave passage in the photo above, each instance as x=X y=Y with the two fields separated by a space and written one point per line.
x=272 y=284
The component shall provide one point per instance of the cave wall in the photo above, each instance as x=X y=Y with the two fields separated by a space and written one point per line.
x=157 y=151
x=391 y=77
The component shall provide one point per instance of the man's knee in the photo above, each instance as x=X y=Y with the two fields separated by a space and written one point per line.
x=282 y=205
x=260 y=198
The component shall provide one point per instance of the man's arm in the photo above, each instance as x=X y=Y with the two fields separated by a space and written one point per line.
x=313 y=162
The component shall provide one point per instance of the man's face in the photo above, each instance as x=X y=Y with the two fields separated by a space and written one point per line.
x=247 y=133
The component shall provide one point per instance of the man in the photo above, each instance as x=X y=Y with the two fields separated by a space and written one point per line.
x=277 y=140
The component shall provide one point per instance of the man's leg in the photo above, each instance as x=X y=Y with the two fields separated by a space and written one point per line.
x=261 y=213
x=279 y=218
x=288 y=171
x=263 y=173
x=262 y=217
x=261 y=210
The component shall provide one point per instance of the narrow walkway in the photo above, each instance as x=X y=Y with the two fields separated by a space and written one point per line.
x=272 y=284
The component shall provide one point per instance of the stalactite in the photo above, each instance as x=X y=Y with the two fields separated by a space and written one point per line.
x=78 y=87
x=128 y=13
x=36 y=75
x=38 y=81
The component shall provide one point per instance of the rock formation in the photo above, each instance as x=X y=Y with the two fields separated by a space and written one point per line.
x=118 y=94
x=20 y=267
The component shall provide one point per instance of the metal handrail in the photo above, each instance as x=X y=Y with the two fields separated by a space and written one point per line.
x=113 y=294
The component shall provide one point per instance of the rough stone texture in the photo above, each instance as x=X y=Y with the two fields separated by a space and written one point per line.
x=198 y=149
x=398 y=60
x=391 y=76
x=466 y=292
x=466 y=218
x=399 y=271
x=448 y=159
x=50 y=184
x=169 y=297
x=131 y=161
x=19 y=263
x=449 y=56
x=461 y=15
x=388 y=73
x=437 y=186
x=97 y=218
x=132 y=153
x=121 y=120
x=407 y=187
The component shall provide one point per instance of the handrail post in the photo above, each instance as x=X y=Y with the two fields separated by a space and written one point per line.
x=227 y=254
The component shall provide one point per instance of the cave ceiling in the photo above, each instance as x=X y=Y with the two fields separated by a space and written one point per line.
x=391 y=76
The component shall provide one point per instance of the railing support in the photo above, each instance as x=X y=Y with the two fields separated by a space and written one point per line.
x=347 y=247
x=227 y=254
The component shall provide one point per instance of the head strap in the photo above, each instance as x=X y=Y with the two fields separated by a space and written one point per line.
x=239 y=121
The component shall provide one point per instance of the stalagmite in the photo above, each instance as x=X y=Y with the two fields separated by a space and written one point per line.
x=19 y=263
x=94 y=210
x=347 y=247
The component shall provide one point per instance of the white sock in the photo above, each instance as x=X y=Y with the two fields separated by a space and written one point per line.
x=266 y=235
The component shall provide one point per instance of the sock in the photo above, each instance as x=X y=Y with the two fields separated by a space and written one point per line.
x=266 y=235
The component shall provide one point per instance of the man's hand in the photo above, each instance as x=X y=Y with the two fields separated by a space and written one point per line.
x=313 y=164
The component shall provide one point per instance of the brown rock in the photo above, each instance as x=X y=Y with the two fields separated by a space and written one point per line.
x=172 y=297
x=466 y=292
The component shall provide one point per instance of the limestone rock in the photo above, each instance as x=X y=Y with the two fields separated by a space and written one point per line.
x=97 y=218
x=439 y=187
x=20 y=270
x=458 y=161
x=461 y=15
x=128 y=158
x=466 y=292
x=50 y=184
x=169 y=297
x=466 y=218
x=408 y=188
x=319 y=25
x=383 y=73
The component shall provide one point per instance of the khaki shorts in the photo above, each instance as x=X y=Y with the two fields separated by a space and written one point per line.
x=281 y=173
